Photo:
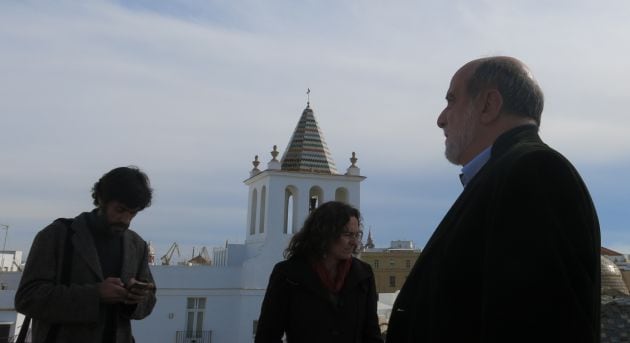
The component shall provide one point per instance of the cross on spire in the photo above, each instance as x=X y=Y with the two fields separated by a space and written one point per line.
x=308 y=97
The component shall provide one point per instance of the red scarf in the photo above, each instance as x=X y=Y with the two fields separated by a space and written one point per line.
x=335 y=285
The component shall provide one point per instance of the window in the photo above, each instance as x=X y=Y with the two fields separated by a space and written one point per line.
x=263 y=201
x=5 y=333
x=375 y=264
x=341 y=194
x=195 y=308
x=290 y=210
x=408 y=264
x=392 y=281
x=252 y=220
x=315 y=198
x=392 y=263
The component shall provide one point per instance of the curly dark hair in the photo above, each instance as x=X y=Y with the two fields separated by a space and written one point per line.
x=324 y=225
x=128 y=185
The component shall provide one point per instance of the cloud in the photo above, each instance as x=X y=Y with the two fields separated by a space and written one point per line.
x=192 y=90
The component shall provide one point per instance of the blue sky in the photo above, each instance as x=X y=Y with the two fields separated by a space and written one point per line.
x=190 y=91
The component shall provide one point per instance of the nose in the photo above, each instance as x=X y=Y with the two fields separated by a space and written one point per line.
x=441 y=120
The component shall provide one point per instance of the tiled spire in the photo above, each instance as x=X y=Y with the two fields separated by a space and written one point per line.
x=307 y=150
x=369 y=244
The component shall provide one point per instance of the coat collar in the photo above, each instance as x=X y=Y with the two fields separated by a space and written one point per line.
x=520 y=135
x=83 y=245
x=130 y=246
x=299 y=271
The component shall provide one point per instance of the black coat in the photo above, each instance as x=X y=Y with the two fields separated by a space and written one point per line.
x=516 y=259
x=77 y=307
x=297 y=303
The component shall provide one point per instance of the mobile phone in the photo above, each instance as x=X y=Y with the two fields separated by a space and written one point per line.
x=141 y=285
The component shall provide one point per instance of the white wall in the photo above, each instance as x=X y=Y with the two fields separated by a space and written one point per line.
x=10 y=260
x=229 y=312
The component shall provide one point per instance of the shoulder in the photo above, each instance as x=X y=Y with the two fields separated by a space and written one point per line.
x=134 y=236
x=528 y=156
x=362 y=268
x=542 y=162
x=524 y=145
x=538 y=176
x=290 y=266
x=137 y=243
x=289 y=272
x=57 y=228
x=51 y=237
x=356 y=263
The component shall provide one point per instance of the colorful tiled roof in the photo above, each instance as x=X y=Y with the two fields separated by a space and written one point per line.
x=307 y=150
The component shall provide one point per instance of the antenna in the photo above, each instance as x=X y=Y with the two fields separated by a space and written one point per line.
x=308 y=97
x=5 y=227
x=4 y=244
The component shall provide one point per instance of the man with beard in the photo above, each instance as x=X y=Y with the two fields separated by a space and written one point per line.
x=86 y=277
x=516 y=259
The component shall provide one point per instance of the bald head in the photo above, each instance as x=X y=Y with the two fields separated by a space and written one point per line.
x=519 y=90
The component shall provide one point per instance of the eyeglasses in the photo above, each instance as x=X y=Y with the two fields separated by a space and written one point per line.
x=353 y=235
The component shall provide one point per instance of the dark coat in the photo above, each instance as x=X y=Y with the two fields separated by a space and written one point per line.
x=516 y=259
x=77 y=308
x=297 y=303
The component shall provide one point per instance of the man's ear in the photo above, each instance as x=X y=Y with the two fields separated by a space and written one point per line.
x=101 y=206
x=491 y=104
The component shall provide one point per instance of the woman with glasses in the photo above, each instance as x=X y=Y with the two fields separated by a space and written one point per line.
x=321 y=293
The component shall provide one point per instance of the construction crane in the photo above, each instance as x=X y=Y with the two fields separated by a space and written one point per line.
x=166 y=259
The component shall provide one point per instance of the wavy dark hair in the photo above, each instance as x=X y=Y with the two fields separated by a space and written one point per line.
x=324 y=225
x=128 y=185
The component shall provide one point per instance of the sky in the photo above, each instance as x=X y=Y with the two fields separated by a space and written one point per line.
x=190 y=91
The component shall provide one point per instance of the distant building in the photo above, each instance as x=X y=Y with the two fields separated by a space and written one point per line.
x=621 y=261
x=10 y=260
x=612 y=282
x=10 y=321
x=615 y=310
x=390 y=265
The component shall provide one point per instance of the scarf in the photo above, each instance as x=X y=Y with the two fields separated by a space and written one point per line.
x=331 y=285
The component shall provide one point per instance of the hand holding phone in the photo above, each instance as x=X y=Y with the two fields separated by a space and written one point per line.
x=139 y=285
x=138 y=291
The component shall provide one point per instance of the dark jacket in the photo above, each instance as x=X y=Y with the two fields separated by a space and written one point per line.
x=297 y=303
x=76 y=308
x=516 y=259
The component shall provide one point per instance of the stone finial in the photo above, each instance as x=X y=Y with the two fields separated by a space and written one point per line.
x=255 y=170
x=353 y=159
x=274 y=164
x=353 y=169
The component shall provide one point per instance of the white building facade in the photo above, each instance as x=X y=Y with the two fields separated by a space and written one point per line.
x=221 y=303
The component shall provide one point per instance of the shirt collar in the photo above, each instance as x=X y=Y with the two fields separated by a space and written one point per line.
x=472 y=168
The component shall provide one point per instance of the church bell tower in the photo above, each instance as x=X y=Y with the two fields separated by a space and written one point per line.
x=282 y=195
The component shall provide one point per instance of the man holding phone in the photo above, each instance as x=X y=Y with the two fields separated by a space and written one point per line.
x=86 y=278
